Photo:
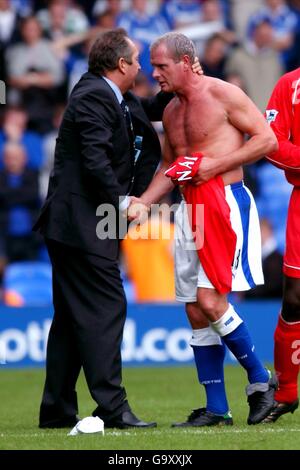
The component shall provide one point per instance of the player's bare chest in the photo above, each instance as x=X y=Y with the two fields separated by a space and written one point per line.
x=194 y=124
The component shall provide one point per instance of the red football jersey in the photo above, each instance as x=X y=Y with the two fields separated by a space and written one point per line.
x=283 y=115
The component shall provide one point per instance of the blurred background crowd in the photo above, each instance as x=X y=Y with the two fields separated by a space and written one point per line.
x=43 y=52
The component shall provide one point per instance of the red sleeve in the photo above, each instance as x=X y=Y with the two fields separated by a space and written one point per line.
x=279 y=114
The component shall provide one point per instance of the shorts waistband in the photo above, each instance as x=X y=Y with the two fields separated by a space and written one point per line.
x=237 y=185
x=232 y=187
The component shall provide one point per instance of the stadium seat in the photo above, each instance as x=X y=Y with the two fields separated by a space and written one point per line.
x=129 y=291
x=129 y=287
x=27 y=283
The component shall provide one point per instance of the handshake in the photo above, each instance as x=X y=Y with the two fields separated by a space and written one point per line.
x=137 y=210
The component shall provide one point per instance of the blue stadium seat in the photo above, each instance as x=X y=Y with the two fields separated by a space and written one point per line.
x=129 y=291
x=273 y=199
x=28 y=283
x=128 y=286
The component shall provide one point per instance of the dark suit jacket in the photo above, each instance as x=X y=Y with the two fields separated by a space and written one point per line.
x=93 y=163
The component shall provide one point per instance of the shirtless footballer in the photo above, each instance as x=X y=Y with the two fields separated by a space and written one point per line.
x=210 y=116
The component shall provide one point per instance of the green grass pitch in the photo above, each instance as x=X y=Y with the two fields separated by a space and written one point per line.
x=162 y=394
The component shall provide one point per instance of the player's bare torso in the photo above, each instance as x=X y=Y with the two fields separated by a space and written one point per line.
x=201 y=124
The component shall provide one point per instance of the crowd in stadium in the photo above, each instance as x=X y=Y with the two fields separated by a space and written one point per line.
x=43 y=53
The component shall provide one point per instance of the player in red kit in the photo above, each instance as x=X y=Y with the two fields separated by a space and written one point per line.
x=283 y=115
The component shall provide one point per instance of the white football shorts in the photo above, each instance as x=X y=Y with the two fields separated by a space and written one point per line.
x=247 y=266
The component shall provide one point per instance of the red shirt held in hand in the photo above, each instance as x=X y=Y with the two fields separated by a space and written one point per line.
x=216 y=253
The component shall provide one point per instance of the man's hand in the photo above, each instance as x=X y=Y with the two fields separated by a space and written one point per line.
x=137 y=210
x=209 y=168
x=196 y=67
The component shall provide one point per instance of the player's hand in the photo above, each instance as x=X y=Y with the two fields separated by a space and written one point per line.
x=196 y=67
x=137 y=210
x=209 y=168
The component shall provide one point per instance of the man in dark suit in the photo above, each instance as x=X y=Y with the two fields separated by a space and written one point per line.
x=94 y=164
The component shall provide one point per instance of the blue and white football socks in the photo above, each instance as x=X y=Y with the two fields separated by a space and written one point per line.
x=209 y=353
x=236 y=336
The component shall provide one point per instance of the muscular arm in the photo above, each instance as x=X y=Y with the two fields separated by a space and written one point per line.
x=244 y=116
x=280 y=106
x=160 y=184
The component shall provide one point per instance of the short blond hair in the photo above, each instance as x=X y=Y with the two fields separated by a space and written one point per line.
x=178 y=45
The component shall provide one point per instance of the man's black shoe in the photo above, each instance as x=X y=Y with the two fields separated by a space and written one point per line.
x=203 y=417
x=67 y=422
x=127 y=420
x=261 y=403
x=279 y=409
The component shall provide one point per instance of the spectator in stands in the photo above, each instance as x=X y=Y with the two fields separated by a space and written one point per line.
x=179 y=13
x=49 y=141
x=8 y=31
x=15 y=130
x=292 y=57
x=61 y=18
x=87 y=6
x=143 y=28
x=272 y=266
x=23 y=7
x=106 y=20
x=212 y=11
x=79 y=64
x=55 y=27
x=240 y=11
x=272 y=197
x=34 y=71
x=214 y=57
x=19 y=203
x=254 y=59
x=282 y=20
x=113 y=7
x=142 y=87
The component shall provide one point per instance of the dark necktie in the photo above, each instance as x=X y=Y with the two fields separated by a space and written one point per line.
x=129 y=125
x=130 y=130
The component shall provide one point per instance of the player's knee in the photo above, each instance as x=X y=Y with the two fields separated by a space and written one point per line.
x=210 y=305
x=192 y=312
x=195 y=316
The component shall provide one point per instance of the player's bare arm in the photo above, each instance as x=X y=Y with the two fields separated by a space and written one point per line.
x=160 y=184
x=242 y=115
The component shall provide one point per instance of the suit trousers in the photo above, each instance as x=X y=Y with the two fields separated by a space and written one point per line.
x=86 y=331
